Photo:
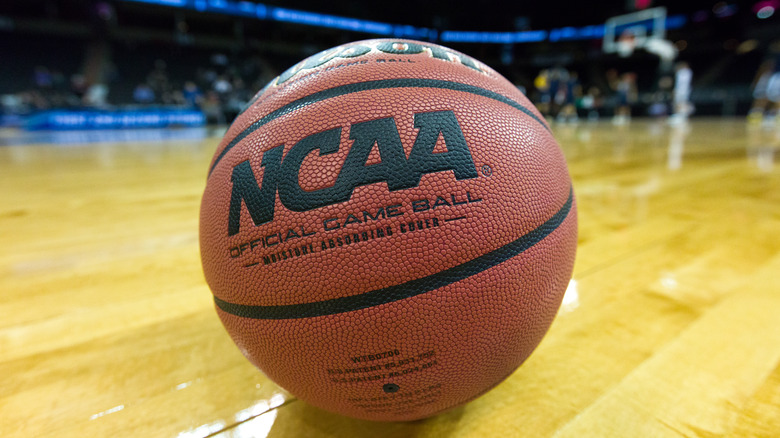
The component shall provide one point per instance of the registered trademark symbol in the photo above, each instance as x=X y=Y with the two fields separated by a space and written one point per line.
x=487 y=170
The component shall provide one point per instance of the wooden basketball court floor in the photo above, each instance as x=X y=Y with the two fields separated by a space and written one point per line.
x=670 y=327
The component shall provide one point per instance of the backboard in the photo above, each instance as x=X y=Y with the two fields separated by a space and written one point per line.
x=624 y=33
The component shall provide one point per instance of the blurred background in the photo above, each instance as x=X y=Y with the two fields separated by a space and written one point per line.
x=72 y=64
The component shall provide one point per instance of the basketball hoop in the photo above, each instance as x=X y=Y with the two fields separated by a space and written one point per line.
x=623 y=34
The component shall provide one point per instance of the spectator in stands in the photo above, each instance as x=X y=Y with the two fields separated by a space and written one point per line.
x=212 y=109
x=237 y=99
x=192 y=94
x=42 y=78
x=207 y=77
x=96 y=96
x=542 y=84
x=11 y=104
x=143 y=94
x=222 y=86
x=78 y=88
x=158 y=78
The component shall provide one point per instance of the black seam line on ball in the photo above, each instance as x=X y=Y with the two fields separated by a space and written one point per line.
x=372 y=85
x=403 y=290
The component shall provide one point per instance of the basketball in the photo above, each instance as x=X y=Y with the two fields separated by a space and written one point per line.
x=388 y=229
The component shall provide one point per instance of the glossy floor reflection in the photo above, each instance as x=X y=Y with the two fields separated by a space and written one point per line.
x=669 y=327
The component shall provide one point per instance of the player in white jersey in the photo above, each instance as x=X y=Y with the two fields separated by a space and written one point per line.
x=681 y=94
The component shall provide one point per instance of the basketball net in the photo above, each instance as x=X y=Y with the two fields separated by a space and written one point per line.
x=625 y=45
